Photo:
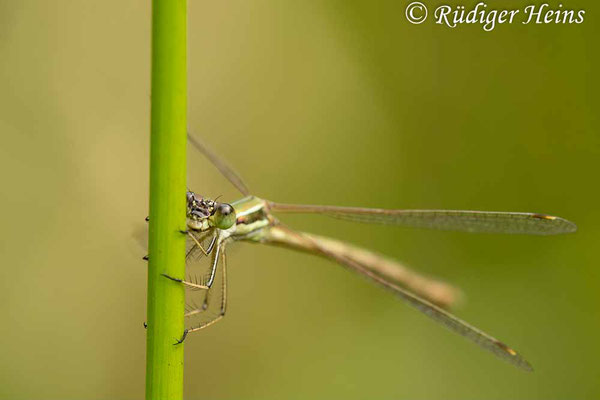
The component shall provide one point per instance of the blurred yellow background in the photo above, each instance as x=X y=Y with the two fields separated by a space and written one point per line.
x=334 y=102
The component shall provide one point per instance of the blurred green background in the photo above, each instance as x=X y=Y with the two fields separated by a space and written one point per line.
x=329 y=101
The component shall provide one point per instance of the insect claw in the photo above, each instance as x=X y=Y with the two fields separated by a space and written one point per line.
x=179 y=341
x=185 y=232
x=171 y=278
x=145 y=258
x=145 y=325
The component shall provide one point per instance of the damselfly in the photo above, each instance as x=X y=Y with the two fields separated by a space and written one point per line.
x=213 y=225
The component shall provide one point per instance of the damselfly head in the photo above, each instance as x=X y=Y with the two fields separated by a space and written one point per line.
x=203 y=214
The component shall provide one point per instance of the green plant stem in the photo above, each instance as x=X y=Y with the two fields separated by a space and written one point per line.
x=166 y=299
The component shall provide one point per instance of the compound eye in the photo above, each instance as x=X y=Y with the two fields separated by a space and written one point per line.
x=224 y=209
x=224 y=216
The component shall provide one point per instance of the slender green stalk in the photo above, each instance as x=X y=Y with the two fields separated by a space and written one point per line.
x=166 y=299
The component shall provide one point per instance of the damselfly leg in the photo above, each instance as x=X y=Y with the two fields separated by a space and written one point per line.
x=220 y=258
x=199 y=245
x=203 y=285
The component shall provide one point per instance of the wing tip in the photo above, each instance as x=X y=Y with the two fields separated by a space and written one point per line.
x=571 y=227
x=559 y=225
x=512 y=356
x=523 y=364
x=565 y=225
